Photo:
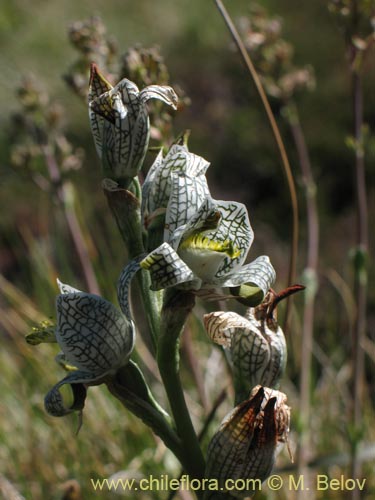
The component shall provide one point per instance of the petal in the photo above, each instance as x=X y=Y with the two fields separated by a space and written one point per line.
x=187 y=195
x=130 y=96
x=202 y=256
x=54 y=401
x=114 y=128
x=234 y=226
x=160 y=92
x=221 y=326
x=122 y=129
x=140 y=140
x=260 y=273
x=152 y=187
x=98 y=86
x=92 y=333
x=245 y=444
x=198 y=222
x=229 y=448
x=167 y=269
x=251 y=355
x=158 y=184
x=98 y=83
x=64 y=288
x=124 y=282
x=250 y=351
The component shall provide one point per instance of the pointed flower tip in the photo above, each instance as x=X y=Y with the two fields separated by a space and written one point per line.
x=97 y=82
x=93 y=71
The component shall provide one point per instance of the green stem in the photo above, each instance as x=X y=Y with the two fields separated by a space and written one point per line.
x=203 y=431
x=177 y=306
x=127 y=388
x=125 y=207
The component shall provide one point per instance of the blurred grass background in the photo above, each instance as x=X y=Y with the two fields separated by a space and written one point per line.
x=38 y=454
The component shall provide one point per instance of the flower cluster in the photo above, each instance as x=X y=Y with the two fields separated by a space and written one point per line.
x=186 y=242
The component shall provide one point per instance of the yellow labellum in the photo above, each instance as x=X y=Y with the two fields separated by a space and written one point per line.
x=200 y=242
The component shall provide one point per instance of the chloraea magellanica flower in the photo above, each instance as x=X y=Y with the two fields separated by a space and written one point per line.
x=256 y=343
x=96 y=339
x=245 y=445
x=120 y=124
x=204 y=241
x=207 y=249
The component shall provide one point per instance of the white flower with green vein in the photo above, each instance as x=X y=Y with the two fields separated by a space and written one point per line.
x=255 y=343
x=207 y=249
x=257 y=348
x=95 y=338
x=180 y=173
x=120 y=123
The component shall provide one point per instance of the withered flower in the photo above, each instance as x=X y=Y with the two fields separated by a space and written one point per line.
x=244 y=447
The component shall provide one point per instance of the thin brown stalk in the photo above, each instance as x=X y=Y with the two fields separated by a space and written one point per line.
x=280 y=145
x=80 y=246
x=73 y=225
x=311 y=271
x=360 y=274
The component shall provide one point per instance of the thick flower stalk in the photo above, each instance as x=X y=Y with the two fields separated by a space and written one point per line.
x=255 y=343
x=120 y=123
x=96 y=339
x=245 y=445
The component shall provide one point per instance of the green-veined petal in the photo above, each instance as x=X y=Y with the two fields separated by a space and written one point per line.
x=94 y=335
x=124 y=282
x=64 y=288
x=234 y=226
x=260 y=273
x=161 y=92
x=58 y=403
x=156 y=191
x=167 y=269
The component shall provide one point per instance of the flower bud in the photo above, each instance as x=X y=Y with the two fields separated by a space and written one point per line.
x=120 y=124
